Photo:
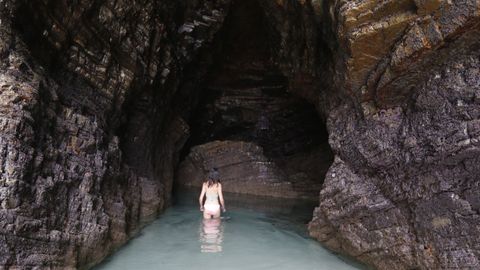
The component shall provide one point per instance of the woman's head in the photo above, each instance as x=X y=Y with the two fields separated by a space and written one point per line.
x=213 y=177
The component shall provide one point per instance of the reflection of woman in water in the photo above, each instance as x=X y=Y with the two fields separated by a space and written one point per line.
x=211 y=235
x=212 y=189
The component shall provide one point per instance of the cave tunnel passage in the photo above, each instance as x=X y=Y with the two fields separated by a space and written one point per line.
x=263 y=139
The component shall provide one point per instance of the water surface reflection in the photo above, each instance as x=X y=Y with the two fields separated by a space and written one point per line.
x=255 y=234
x=211 y=235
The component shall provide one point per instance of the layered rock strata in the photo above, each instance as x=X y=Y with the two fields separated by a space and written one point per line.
x=399 y=193
x=243 y=168
x=85 y=88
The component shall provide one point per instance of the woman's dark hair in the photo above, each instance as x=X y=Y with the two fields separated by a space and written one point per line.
x=213 y=177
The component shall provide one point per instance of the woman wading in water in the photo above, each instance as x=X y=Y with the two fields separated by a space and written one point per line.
x=212 y=190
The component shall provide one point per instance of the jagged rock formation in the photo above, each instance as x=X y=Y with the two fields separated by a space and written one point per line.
x=85 y=89
x=399 y=193
x=245 y=169
x=96 y=99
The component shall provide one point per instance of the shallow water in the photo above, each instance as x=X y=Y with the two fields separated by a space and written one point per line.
x=256 y=234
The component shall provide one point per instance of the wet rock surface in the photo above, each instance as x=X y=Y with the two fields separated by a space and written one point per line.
x=97 y=97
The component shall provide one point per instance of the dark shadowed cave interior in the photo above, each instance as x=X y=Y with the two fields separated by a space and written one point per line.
x=268 y=135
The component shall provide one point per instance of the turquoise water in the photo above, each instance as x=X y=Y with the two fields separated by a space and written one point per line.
x=255 y=234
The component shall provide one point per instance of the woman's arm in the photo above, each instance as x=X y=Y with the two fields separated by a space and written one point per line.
x=200 y=199
x=220 y=196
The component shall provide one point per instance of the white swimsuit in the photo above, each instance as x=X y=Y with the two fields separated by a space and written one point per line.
x=211 y=205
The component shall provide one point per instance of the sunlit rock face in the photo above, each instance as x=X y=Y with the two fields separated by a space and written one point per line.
x=98 y=102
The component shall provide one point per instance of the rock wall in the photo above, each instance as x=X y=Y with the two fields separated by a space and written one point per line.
x=244 y=168
x=399 y=193
x=74 y=76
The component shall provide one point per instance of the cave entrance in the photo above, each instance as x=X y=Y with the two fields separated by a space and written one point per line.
x=263 y=139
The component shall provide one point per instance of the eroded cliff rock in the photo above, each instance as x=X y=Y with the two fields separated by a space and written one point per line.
x=74 y=77
x=399 y=193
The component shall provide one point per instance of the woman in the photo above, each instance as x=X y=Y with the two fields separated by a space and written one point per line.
x=212 y=189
